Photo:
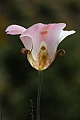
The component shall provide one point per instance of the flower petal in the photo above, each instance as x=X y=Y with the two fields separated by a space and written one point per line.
x=27 y=42
x=34 y=33
x=15 y=30
x=49 y=33
x=64 y=34
x=52 y=37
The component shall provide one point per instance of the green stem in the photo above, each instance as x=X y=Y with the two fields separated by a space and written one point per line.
x=38 y=96
x=0 y=111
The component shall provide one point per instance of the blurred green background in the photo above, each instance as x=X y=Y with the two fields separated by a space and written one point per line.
x=60 y=98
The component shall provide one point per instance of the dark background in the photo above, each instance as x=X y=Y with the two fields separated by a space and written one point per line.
x=60 y=98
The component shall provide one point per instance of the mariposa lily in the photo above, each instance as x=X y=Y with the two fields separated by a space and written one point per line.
x=40 y=42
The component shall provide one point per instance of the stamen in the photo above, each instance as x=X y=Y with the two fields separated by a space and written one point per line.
x=25 y=51
x=61 y=52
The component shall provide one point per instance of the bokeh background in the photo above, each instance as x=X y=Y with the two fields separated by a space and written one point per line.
x=60 y=97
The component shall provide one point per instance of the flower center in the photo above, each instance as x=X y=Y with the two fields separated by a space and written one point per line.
x=42 y=56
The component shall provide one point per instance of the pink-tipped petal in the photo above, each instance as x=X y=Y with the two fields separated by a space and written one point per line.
x=64 y=34
x=15 y=30
x=27 y=42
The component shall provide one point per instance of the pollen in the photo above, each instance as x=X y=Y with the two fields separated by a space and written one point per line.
x=42 y=57
x=43 y=32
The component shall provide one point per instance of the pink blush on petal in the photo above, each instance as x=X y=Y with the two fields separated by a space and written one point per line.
x=43 y=32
